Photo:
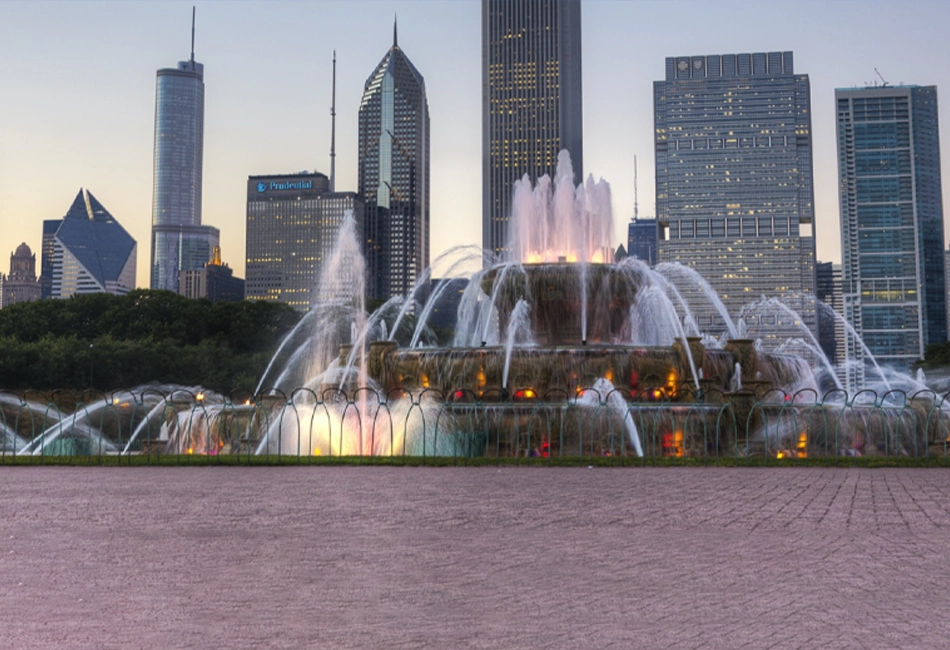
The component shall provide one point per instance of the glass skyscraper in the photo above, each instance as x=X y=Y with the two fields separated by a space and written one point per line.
x=179 y=241
x=734 y=186
x=531 y=101
x=91 y=252
x=293 y=221
x=394 y=174
x=891 y=221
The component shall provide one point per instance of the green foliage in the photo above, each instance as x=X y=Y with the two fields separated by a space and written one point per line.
x=108 y=342
x=936 y=355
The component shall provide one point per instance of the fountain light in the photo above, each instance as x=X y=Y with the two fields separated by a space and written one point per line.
x=200 y=397
x=802 y=445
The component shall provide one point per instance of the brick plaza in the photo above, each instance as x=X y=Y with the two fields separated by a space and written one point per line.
x=351 y=557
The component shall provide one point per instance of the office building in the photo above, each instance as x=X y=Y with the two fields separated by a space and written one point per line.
x=447 y=296
x=891 y=221
x=734 y=187
x=642 y=240
x=91 y=252
x=215 y=281
x=293 y=221
x=831 y=324
x=179 y=240
x=394 y=174
x=531 y=101
x=946 y=275
x=21 y=285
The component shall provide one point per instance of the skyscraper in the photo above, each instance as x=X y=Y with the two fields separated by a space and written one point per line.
x=734 y=186
x=293 y=221
x=394 y=174
x=91 y=252
x=179 y=241
x=891 y=220
x=642 y=240
x=531 y=100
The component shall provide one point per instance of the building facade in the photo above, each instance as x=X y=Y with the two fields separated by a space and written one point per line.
x=832 y=333
x=394 y=174
x=91 y=252
x=293 y=221
x=215 y=282
x=642 y=240
x=179 y=240
x=532 y=104
x=21 y=285
x=891 y=221
x=734 y=182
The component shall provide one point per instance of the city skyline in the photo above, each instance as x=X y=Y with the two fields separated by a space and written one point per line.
x=262 y=118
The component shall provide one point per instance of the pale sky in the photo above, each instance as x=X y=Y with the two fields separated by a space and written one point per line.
x=77 y=95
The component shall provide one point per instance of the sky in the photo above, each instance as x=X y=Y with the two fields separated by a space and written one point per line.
x=77 y=95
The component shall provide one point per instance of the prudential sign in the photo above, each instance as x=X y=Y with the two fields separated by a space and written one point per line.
x=291 y=185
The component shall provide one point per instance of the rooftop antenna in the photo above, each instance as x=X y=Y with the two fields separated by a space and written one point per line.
x=395 y=41
x=192 y=34
x=636 y=205
x=333 y=129
x=883 y=80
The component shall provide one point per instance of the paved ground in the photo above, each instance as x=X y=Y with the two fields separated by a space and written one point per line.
x=474 y=558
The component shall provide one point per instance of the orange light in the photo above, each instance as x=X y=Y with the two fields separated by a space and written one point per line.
x=191 y=450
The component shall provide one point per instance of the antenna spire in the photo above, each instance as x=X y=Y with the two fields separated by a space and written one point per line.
x=192 y=34
x=395 y=40
x=333 y=129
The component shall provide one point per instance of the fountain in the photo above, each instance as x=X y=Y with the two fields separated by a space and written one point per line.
x=557 y=351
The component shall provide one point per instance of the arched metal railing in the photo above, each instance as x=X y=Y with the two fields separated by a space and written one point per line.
x=304 y=426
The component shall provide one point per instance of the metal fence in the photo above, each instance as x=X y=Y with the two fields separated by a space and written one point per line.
x=192 y=425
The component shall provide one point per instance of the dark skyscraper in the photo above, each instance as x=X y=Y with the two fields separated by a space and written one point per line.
x=179 y=241
x=891 y=220
x=734 y=183
x=642 y=240
x=531 y=100
x=394 y=174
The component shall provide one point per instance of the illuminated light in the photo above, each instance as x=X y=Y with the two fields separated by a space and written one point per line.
x=316 y=452
x=425 y=380
x=115 y=400
x=247 y=402
x=191 y=450
x=658 y=393
x=458 y=394
x=780 y=454
x=200 y=397
x=609 y=375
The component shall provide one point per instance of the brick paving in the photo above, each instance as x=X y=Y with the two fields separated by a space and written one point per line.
x=349 y=557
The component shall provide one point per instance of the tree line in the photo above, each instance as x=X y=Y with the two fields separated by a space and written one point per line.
x=109 y=342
